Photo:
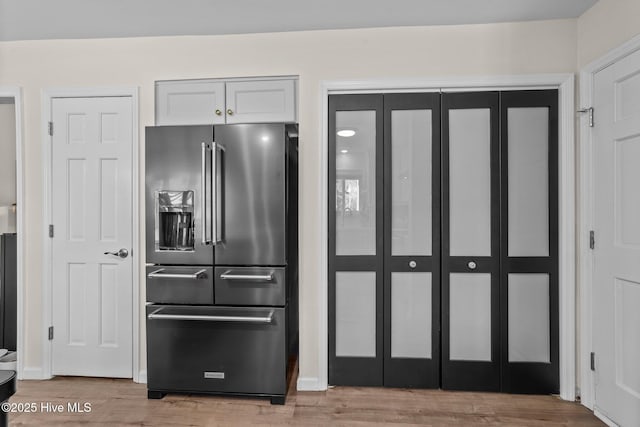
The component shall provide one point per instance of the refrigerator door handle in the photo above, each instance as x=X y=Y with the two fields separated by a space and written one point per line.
x=214 y=196
x=203 y=197
x=216 y=234
x=156 y=315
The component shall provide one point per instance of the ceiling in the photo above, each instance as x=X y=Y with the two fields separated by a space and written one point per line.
x=70 y=19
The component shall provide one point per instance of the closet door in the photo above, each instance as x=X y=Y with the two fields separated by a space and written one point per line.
x=470 y=241
x=529 y=273
x=412 y=240
x=356 y=240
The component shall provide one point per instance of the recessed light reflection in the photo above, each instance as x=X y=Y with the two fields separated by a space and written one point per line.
x=265 y=138
x=346 y=133
x=344 y=151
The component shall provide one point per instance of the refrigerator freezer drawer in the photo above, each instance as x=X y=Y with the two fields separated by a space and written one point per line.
x=180 y=285
x=216 y=349
x=250 y=285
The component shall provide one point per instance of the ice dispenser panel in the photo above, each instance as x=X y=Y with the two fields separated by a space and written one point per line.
x=174 y=221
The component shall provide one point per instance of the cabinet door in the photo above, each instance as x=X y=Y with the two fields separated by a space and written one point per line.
x=196 y=102
x=261 y=101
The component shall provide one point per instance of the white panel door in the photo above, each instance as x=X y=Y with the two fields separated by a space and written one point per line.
x=92 y=214
x=616 y=280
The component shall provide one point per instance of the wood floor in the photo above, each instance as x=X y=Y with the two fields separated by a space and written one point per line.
x=116 y=402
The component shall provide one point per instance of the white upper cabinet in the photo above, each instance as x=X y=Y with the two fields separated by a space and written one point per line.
x=261 y=101
x=194 y=102
x=188 y=102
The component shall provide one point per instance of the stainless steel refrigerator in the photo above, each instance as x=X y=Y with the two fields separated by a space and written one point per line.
x=222 y=253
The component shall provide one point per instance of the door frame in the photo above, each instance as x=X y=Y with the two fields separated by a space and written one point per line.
x=47 y=272
x=15 y=92
x=585 y=224
x=565 y=85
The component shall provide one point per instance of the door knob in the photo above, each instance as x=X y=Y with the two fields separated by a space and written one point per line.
x=472 y=265
x=412 y=264
x=122 y=253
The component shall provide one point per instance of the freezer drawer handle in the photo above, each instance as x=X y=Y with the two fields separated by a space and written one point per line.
x=235 y=319
x=158 y=274
x=263 y=277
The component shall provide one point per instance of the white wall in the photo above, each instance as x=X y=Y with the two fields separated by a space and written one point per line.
x=608 y=24
x=500 y=49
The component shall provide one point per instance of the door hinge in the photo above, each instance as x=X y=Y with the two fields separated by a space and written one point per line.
x=51 y=128
x=590 y=111
x=50 y=333
x=592 y=239
x=51 y=230
x=593 y=361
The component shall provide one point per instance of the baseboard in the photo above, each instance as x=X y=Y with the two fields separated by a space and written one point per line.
x=33 y=374
x=604 y=418
x=310 y=384
x=142 y=377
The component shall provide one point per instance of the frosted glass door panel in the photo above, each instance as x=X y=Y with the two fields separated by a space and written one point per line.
x=356 y=314
x=528 y=153
x=356 y=183
x=470 y=316
x=411 y=182
x=470 y=182
x=529 y=338
x=411 y=315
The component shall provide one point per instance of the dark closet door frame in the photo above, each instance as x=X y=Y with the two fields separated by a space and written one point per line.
x=463 y=374
x=412 y=372
x=531 y=377
x=361 y=371
x=567 y=238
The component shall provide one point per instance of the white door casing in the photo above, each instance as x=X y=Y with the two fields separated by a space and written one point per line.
x=91 y=205
x=616 y=256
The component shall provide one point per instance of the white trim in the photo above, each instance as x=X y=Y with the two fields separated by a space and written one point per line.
x=565 y=85
x=47 y=97
x=604 y=418
x=29 y=373
x=16 y=93
x=142 y=377
x=587 y=391
x=310 y=384
x=567 y=239
x=136 y=262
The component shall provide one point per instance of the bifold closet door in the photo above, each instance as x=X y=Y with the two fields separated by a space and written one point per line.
x=470 y=241
x=529 y=242
x=443 y=240
x=384 y=240
x=412 y=240
x=355 y=240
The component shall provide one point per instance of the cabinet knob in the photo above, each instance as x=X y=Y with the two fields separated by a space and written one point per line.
x=218 y=112
x=230 y=112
